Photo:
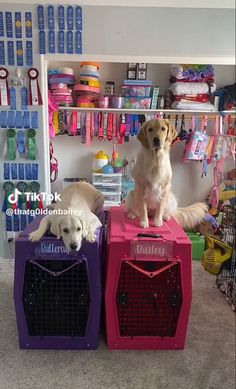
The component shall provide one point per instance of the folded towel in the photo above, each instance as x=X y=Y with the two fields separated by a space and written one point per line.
x=191 y=88
x=193 y=106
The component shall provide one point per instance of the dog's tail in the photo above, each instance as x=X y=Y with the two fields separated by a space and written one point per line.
x=189 y=217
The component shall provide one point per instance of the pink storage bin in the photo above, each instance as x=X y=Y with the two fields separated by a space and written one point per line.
x=148 y=285
x=135 y=91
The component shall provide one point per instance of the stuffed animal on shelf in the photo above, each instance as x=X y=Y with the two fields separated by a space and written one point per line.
x=227 y=189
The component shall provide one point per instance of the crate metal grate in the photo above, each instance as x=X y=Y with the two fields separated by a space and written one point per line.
x=149 y=304
x=56 y=297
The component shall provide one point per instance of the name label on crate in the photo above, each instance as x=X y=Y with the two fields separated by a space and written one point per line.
x=44 y=249
x=149 y=249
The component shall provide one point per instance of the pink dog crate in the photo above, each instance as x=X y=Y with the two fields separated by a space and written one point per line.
x=148 y=284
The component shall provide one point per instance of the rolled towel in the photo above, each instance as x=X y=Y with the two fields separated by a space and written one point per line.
x=191 y=88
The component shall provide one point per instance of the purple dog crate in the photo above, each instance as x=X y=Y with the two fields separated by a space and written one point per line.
x=57 y=293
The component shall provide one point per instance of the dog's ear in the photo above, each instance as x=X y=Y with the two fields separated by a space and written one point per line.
x=55 y=228
x=142 y=135
x=172 y=133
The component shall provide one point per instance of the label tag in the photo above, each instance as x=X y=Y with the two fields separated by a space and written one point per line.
x=10 y=53
x=6 y=173
x=42 y=42
x=61 y=41
x=78 y=18
x=11 y=119
x=21 y=171
x=18 y=25
x=26 y=119
x=14 y=171
x=9 y=29
x=40 y=12
x=2 y=53
x=3 y=117
x=29 y=53
x=78 y=42
x=61 y=17
x=34 y=120
x=50 y=17
x=28 y=24
x=35 y=168
x=19 y=53
x=69 y=42
x=51 y=41
x=1 y=24
x=18 y=119
x=151 y=249
x=69 y=17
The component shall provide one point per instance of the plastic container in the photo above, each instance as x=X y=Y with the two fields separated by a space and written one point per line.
x=117 y=102
x=137 y=102
x=135 y=91
x=198 y=245
x=111 y=179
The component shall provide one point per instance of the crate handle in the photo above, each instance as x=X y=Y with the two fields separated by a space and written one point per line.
x=55 y=273
x=151 y=274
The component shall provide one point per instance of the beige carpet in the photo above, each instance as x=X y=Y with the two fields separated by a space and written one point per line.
x=206 y=363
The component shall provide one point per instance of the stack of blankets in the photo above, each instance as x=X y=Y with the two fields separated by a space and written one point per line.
x=192 y=87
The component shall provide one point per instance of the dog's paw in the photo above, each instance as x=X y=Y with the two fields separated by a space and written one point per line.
x=166 y=218
x=35 y=236
x=131 y=216
x=91 y=237
x=144 y=224
x=157 y=222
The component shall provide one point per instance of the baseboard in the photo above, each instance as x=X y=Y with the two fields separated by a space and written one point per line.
x=7 y=265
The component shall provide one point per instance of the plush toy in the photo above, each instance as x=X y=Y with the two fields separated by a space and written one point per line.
x=227 y=189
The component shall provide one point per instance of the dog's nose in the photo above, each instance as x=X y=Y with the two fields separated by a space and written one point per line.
x=156 y=141
x=73 y=246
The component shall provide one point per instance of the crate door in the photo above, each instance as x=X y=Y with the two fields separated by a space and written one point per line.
x=149 y=298
x=56 y=297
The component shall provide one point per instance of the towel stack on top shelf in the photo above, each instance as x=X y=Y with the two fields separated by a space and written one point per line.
x=192 y=86
x=61 y=84
x=88 y=88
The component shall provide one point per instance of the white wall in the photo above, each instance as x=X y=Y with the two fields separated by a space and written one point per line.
x=75 y=159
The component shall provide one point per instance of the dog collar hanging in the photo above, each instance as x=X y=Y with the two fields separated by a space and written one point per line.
x=53 y=165
x=4 y=91
x=122 y=129
x=34 y=93
x=109 y=126
x=100 y=129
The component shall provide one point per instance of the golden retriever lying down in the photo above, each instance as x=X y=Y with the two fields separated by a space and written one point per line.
x=152 y=173
x=80 y=201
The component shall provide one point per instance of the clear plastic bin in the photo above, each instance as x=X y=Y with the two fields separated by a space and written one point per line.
x=106 y=179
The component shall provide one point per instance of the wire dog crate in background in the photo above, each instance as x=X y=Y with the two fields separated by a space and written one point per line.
x=148 y=284
x=226 y=280
x=57 y=293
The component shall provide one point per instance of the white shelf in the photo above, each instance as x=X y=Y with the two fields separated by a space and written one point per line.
x=139 y=111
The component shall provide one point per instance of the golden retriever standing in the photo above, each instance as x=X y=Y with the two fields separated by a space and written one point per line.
x=152 y=173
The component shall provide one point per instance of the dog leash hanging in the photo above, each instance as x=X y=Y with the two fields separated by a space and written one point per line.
x=109 y=126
